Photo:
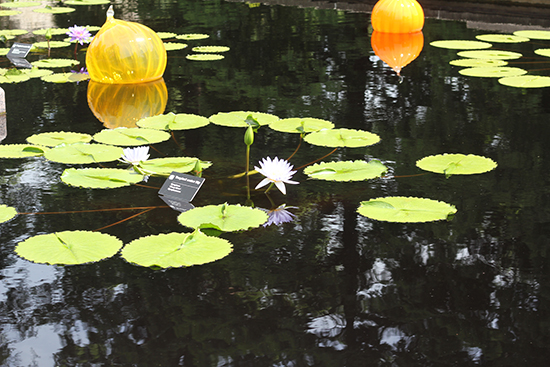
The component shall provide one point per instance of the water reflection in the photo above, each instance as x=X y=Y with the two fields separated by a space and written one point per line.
x=397 y=49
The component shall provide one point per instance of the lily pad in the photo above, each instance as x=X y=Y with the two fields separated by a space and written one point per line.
x=9 y=79
x=53 y=31
x=87 y=2
x=346 y=171
x=493 y=72
x=502 y=38
x=131 y=136
x=192 y=36
x=100 y=178
x=69 y=247
x=174 y=250
x=165 y=166
x=12 y=32
x=204 y=57
x=406 y=209
x=55 y=63
x=536 y=35
x=81 y=153
x=7 y=213
x=526 y=81
x=456 y=164
x=461 y=44
x=238 y=118
x=4 y=51
x=171 y=121
x=301 y=125
x=20 y=4
x=7 y=13
x=57 y=138
x=166 y=35
x=210 y=49
x=36 y=72
x=342 y=138
x=543 y=52
x=224 y=217
x=65 y=77
x=478 y=63
x=20 y=150
x=52 y=44
x=490 y=54
x=173 y=46
x=54 y=10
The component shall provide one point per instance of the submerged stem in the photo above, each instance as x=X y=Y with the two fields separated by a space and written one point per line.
x=317 y=160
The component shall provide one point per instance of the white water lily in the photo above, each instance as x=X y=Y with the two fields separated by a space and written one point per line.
x=276 y=171
x=135 y=156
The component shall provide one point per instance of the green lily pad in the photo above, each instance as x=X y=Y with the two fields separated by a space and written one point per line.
x=12 y=32
x=9 y=79
x=87 y=2
x=204 y=57
x=7 y=213
x=493 y=72
x=20 y=4
x=490 y=54
x=342 y=138
x=55 y=63
x=20 y=150
x=54 y=10
x=192 y=36
x=65 y=77
x=301 y=125
x=53 y=44
x=210 y=49
x=406 y=209
x=4 y=51
x=456 y=164
x=543 y=52
x=131 y=136
x=526 y=81
x=36 y=72
x=100 y=178
x=166 y=35
x=536 y=35
x=82 y=153
x=238 y=118
x=502 y=38
x=346 y=171
x=461 y=44
x=173 y=46
x=165 y=166
x=7 y=13
x=69 y=247
x=174 y=250
x=224 y=217
x=57 y=138
x=478 y=63
x=53 y=31
x=171 y=121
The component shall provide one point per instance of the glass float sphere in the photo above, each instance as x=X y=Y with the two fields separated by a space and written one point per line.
x=125 y=52
x=122 y=105
x=397 y=16
x=397 y=49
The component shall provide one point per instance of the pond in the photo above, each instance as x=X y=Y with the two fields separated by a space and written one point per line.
x=331 y=287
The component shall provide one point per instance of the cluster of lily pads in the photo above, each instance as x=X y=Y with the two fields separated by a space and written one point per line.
x=185 y=249
x=480 y=59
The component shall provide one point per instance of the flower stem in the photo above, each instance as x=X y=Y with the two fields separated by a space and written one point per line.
x=247 y=168
x=317 y=160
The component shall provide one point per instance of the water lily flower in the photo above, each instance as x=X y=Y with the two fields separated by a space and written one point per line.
x=279 y=215
x=276 y=171
x=79 y=34
x=135 y=156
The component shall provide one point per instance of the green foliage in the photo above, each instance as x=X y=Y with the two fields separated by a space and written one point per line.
x=36 y=72
x=342 y=138
x=68 y=247
x=493 y=72
x=543 y=52
x=346 y=171
x=10 y=78
x=51 y=44
x=166 y=35
x=55 y=63
x=52 y=31
x=490 y=54
x=224 y=217
x=164 y=166
x=301 y=125
x=461 y=44
x=57 y=138
x=192 y=36
x=210 y=49
x=171 y=121
x=526 y=81
x=238 y=118
x=12 y=32
x=173 y=46
x=20 y=150
x=536 y=35
x=174 y=250
x=65 y=78
x=406 y=209
x=81 y=153
x=456 y=164
x=20 y=4
x=501 y=38
x=131 y=136
x=478 y=63
x=54 y=10
x=7 y=213
x=100 y=178
x=7 y=13
x=204 y=57
x=87 y=2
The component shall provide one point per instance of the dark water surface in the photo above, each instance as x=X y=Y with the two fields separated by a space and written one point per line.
x=332 y=288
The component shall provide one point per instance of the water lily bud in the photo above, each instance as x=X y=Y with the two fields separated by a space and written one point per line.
x=249 y=136
x=197 y=170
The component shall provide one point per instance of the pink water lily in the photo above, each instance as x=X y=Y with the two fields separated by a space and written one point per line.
x=79 y=34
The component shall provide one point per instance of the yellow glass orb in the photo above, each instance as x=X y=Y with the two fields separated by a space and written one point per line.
x=125 y=52
x=122 y=105
x=397 y=16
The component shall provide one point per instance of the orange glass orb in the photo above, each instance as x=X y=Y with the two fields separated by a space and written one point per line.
x=397 y=49
x=125 y=52
x=397 y=16
x=121 y=105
